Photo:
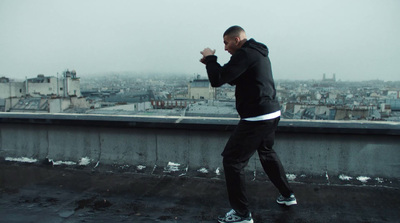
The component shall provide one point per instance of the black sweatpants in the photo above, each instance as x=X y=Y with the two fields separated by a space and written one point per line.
x=248 y=137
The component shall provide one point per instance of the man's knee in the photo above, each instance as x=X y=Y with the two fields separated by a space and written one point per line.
x=233 y=164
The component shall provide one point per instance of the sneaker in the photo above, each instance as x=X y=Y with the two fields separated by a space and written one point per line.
x=232 y=216
x=288 y=201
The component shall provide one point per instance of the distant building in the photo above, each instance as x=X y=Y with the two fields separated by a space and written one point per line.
x=169 y=104
x=329 y=80
x=11 y=89
x=31 y=105
x=4 y=80
x=200 y=89
x=212 y=108
x=324 y=112
x=394 y=104
x=393 y=94
x=352 y=114
x=66 y=86
x=45 y=104
x=42 y=94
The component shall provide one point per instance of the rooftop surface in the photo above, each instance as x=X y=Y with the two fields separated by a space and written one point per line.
x=38 y=193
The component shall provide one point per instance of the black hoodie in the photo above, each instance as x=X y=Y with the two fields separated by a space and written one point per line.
x=250 y=70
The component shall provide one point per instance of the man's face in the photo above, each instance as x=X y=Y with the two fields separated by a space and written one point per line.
x=231 y=44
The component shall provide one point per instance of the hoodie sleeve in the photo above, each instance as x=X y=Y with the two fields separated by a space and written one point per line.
x=219 y=75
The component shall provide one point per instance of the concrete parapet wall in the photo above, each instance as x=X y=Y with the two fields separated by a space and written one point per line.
x=305 y=147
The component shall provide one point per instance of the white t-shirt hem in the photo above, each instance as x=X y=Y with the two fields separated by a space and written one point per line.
x=269 y=116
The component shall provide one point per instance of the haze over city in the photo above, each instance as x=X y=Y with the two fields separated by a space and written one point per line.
x=356 y=40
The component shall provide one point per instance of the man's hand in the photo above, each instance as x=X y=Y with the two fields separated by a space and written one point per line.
x=206 y=52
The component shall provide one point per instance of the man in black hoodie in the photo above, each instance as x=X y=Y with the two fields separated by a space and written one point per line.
x=249 y=69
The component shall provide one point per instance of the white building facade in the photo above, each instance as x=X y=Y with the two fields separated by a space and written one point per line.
x=200 y=89
x=67 y=85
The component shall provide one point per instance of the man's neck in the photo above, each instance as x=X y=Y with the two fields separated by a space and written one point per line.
x=242 y=42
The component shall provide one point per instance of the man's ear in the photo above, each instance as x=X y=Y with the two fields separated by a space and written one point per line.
x=237 y=41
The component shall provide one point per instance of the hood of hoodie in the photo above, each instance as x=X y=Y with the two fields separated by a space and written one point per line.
x=261 y=48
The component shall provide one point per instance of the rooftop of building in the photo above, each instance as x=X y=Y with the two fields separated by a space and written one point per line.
x=38 y=193
x=200 y=83
x=123 y=191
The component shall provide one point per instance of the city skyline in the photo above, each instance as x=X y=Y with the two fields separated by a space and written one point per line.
x=325 y=99
x=188 y=76
x=355 y=40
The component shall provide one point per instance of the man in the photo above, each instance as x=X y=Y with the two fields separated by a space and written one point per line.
x=249 y=69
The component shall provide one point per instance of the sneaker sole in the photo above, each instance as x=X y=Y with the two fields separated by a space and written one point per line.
x=287 y=203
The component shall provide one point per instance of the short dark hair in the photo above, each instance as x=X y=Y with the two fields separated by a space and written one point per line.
x=234 y=31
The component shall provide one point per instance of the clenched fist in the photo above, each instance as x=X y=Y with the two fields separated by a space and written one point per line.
x=206 y=52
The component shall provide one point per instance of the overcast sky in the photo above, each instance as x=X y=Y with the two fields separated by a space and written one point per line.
x=355 y=39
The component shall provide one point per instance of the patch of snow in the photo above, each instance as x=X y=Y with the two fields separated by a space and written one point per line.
x=141 y=167
x=21 y=159
x=363 y=179
x=172 y=167
x=344 y=177
x=217 y=172
x=291 y=176
x=380 y=180
x=203 y=170
x=327 y=176
x=69 y=163
x=84 y=161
